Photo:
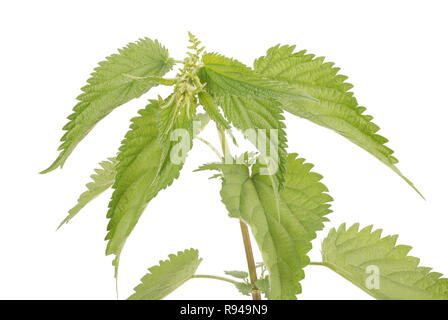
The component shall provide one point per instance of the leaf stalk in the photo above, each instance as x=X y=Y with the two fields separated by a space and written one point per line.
x=207 y=276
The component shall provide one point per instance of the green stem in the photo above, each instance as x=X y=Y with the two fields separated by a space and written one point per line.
x=250 y=260
x=317 y=264
x=211 y=146
x=207 y=276
x=244 y=229
x=224 y=145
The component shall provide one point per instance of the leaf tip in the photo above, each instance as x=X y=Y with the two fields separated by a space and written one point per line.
x=409 y=182
x=419 y=193
x=414 y=187
x=60 y=225
x=59 y=162
x=52 y=167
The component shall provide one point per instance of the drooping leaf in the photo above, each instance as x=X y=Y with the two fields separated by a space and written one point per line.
x=203 y=120
x=335 y=106
x=212 y=110
x=237 y=274
x=379 y=266
x=102 y=180
x=111 y=86
x=284 y=239
x=166 y=277
x=261 y=121
x=248 y=103
x=144 y=168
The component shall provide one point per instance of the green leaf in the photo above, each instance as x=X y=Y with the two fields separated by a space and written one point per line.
x=176 y=112
x=166 y=277
x=244 y=287
x=261 y=121
x=212 y=110
x=335 y=106
x=110 y=86
x=224 y=76
x=157 y=80
x=102 y=180
x=203 y=120
x=263 y=286
x=361 y=255
x=248 y=103
x=144 y=168
x=237 y=274
x=284 y=240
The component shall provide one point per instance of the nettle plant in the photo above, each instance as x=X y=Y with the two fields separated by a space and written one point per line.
x=271 y=191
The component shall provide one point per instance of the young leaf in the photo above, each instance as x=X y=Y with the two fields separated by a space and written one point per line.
x=237 y=274
x=283 y=240
x=169 y=275
x=263 y=286
x=244 y=288
x=103 y=179
x=144 y=168
x=379 y=266
x=111 y=86
x=335 y=106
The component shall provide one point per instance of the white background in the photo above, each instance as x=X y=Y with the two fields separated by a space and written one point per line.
x=394 y=52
